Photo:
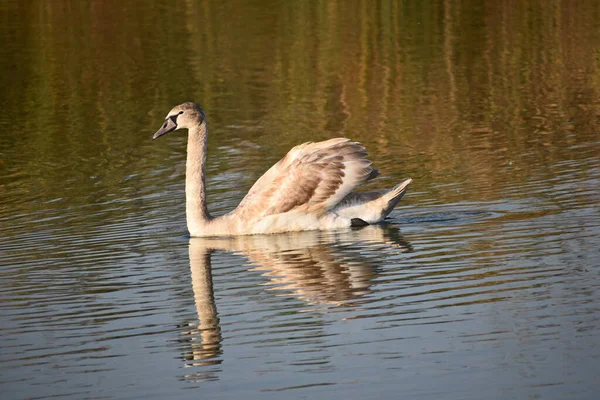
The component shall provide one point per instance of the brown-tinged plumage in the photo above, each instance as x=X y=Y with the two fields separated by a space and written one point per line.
x=310 y=188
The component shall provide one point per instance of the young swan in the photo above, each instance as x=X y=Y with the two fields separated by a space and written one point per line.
x=310 y=188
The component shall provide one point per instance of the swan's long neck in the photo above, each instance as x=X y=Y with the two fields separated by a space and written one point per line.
x=195 y=185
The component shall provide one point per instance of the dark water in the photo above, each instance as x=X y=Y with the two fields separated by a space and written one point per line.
x=485 y=283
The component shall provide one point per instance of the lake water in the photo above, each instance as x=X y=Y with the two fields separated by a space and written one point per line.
x=484 y=283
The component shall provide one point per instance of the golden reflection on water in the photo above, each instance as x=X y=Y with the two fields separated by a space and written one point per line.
x=449 y=92
x=491 y=107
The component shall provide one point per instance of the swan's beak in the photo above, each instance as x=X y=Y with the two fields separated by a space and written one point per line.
x=167 y=127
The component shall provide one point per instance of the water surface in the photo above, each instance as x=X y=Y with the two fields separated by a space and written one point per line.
x=485 y=279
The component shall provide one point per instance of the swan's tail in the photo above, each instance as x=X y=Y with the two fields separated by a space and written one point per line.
x=371 y=207
x=393 y=197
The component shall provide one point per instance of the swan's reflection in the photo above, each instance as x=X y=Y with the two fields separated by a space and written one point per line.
x=323 y=269
x=206 y=340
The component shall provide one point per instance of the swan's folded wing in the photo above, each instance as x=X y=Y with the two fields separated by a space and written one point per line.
x=311 y=178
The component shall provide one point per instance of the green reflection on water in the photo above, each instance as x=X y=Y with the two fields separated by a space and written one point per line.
x=444 y=92
x=491 y=107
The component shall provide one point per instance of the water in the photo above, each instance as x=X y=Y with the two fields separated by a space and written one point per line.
x=484 y=282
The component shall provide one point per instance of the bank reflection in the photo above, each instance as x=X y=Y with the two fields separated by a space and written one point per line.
x=323 y=269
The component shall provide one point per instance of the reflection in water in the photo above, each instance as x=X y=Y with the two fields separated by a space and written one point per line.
x=209 y=331
x=493 y=107
x=321 y=268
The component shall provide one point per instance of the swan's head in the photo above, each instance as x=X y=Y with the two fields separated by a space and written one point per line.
x=183 y=116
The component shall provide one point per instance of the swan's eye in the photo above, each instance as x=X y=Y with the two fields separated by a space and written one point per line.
x=180 y=112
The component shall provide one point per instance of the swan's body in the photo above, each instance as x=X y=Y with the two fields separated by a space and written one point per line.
x=310 y=188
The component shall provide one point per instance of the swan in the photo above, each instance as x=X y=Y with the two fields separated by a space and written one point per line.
x=310 y=188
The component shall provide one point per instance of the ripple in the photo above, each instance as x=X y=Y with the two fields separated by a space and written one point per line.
x=487 y=273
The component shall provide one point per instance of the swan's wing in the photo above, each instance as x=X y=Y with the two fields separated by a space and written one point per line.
x=311 y=178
